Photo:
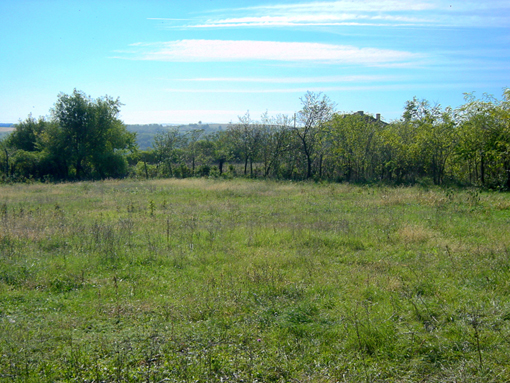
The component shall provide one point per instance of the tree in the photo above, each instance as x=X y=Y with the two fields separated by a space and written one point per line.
x=89 y=134
x=192 y=138
x=398 y=155
x=484 y=139
x=316 y=110
x=221 y=152
x=167 y=147
x=275 y=139
x=436 y=136
x=245 y=140
x=352 y=140
x=5 y=167
x=26 y=134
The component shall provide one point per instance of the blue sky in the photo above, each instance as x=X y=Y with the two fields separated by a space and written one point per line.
x=213 y=60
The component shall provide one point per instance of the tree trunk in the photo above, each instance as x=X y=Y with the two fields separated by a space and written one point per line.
x=320 y=166
x=482 y=169
x=79 y=169
x=507 y=168
x=6 y=163
x=220 y=166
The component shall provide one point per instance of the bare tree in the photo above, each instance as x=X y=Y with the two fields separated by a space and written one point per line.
x=317 y=109
x=275 y=134
x=245 y=136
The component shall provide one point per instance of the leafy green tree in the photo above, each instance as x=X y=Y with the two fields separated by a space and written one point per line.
x=353 y=143
x=484 y=139
x=398 y=152
x=436 y=136
x=89 y=134
x=192 y=138
x=220 y=150
x=168 y=149
x=5 y=154
x=503 y=137
x=26 y=152
x=26 y=134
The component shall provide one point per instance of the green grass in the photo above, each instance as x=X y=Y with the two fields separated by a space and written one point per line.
x=205 y=280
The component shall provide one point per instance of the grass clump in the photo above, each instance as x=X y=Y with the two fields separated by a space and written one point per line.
x=207 y=280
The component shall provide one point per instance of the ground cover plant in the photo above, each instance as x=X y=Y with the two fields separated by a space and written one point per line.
x=202 y=280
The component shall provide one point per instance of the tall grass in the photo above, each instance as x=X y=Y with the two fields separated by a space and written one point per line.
x=206 y=280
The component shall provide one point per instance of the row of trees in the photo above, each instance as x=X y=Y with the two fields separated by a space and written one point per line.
x=85 y=139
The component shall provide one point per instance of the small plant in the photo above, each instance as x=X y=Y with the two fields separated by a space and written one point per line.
x=473 y=198
x=450 y=194
x=152 y=207
x=3 y=210
x=474 y=321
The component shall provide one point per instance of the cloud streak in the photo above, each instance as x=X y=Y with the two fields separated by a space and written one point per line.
x=345 y=88
x=313 y=20
x=293 y=80
x=377 y=13
x=246 y=50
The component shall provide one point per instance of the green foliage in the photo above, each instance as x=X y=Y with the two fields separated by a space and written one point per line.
x=429 y=145
x=83 y=139
x=89 y=133
x=26 y=134
x=485 y=140
x=353 y=145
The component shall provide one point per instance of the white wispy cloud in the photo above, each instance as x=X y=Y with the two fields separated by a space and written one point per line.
x=310 y=19
x=347 y=6
x=293 y=80
x=301 y=90
x=245 y=50
x=455 y=13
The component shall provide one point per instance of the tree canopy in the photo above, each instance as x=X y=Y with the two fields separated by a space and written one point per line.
x=84 y=138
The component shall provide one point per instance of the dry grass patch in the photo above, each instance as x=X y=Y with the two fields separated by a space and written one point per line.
x=502 y=205
x=394 y=197
x=411 y=234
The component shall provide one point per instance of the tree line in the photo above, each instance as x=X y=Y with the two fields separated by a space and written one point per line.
x=84 y=139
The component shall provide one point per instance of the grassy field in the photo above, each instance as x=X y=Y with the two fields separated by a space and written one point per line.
x=249 y=281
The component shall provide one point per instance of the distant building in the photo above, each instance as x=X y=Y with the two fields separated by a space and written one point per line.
x=369 y=118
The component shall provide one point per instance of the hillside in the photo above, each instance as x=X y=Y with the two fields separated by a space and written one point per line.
x=146 y=133
x=5 y=129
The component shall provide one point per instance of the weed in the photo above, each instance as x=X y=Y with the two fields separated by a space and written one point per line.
x=151 y=208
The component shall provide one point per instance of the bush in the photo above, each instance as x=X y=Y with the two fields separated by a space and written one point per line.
x=111 y=165
x=203 y=170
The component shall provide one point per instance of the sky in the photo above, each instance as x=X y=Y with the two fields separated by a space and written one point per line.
x=213 y=60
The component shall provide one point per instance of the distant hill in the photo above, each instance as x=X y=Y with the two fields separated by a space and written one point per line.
x=5 y=129
x=145 y=133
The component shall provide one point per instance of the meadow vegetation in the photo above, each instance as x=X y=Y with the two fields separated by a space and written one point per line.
x=201 y=280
